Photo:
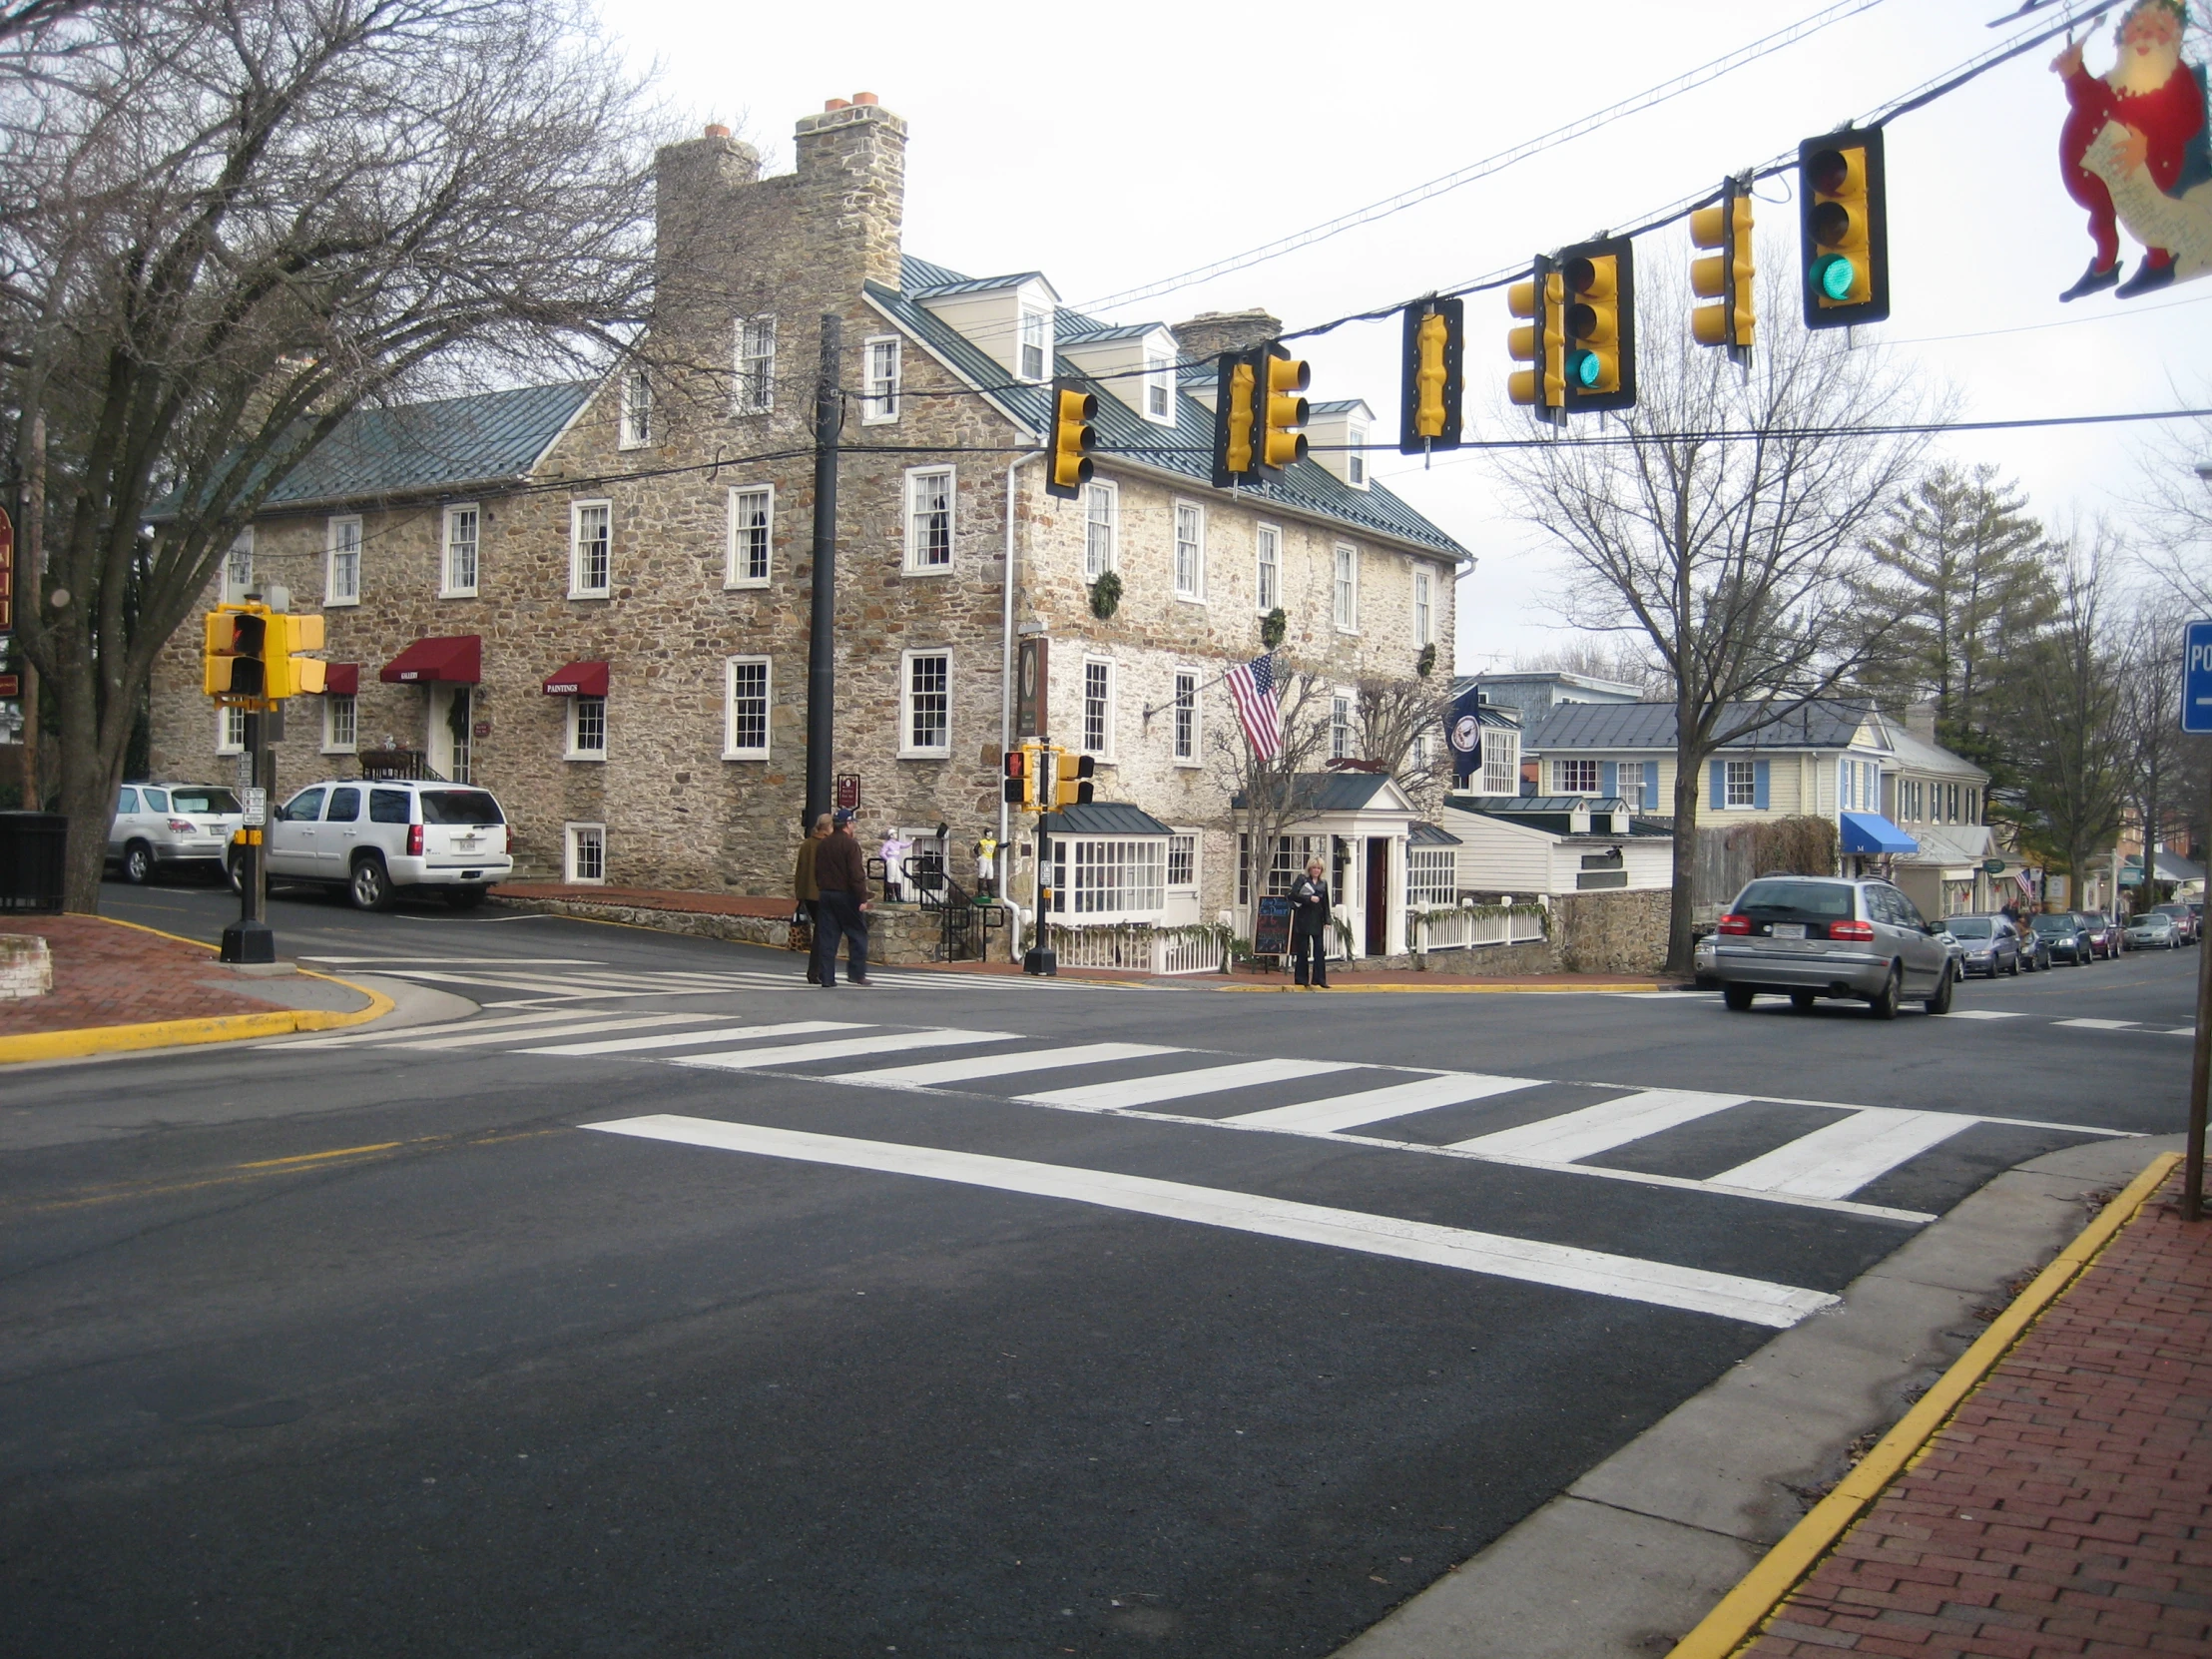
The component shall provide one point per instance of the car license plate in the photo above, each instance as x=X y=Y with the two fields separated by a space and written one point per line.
x=1789 y=930
x=464 y=841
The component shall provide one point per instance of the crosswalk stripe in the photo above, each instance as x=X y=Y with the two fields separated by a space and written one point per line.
x=1351 y=1111
x=636 y=1022
x=688 y=1039
x=1566 y=1267
x=511 y=1023
x=1601 y=1128
x=975 y=1066
x=1181 y=1085
x=1984 y=1013
x=1838 y=1159
x=2099 y=1024
x=799 y=1054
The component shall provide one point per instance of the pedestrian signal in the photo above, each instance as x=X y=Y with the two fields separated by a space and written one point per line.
x=287 y=671
x=1022 y=778
x=230 y=657
x=1436 y=377
x=1074 y=784
x=1282 y=411
x=1236 y=414
x=1072 y=439
x=1541 y=341
x=1843 y=229
x=1728 y=275
x=1598 y=280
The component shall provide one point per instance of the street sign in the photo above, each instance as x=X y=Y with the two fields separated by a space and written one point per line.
x=11 y=685
x=2196 y=678
x=848 y=791
x=1994 y=866
x=256 y=808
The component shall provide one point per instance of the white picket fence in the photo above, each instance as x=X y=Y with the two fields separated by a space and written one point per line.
x=1468 y=930
x=1159 y=950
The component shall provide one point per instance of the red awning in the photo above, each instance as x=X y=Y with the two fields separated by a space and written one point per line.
x=578 y=680
x=341 y=678
x=454 y=661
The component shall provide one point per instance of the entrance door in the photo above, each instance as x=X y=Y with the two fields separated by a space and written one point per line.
x=1379 y=896
x=453 y=708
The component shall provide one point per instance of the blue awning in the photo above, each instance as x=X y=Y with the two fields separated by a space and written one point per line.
x=1871 y=833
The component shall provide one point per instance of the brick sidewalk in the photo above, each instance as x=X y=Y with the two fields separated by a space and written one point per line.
x=2067 y=1509
x=108 y=974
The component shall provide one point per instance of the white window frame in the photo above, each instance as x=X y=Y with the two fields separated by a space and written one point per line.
x=1078 y=863
x=1158 y=388
x=1355 y=457
x=916 y=475
x=576 y=571
x=334 y=549
x=575 y=749
x=909 y=750
x=573 y=839
x=1197 y=838
x=633 y=426
x=1501 y=761
x=1101 y=530
x=333 y=704
x=1189 y=514
x=229 y=729
x=238 y=568
x=1341 y=715
x=1344 y=587
x=733 y=573
x=1577 y=782
x=1033 y=331
x=1100 y=671
x=448 y=588
x=1425 y=607
x=752 y=365
x=1431 y=862
x=1745 y=773
x=732 y=749
x=1267 y=567
x=1183 y=711
x=882 y=369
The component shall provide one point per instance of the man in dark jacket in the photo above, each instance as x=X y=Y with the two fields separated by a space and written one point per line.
x=1309 y=924
x=807 y=890
x=841 y=874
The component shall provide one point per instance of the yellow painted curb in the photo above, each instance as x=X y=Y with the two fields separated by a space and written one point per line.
x=1461 y=990
x=177 y=1033
x=1744 y=1611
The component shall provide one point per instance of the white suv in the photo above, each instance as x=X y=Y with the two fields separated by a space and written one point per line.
x=159 y=826
x=372 y=837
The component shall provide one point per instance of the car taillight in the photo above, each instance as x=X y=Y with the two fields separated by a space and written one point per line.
x=507 y=838
x=1732 y=924
x=415 y=840
x=1863 y=931
x=182 y=826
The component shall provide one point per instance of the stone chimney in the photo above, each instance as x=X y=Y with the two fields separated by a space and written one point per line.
x=1209 y=334
x=1920 y=719
x=853 y=181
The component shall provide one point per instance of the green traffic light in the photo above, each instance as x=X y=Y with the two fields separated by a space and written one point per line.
x=1836 y=275
x=1586 y=368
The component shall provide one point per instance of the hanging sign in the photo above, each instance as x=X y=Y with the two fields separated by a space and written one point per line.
x=7 y=575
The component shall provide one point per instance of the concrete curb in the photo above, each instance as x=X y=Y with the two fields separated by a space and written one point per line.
x=1625 y=988
x=1737 y=1621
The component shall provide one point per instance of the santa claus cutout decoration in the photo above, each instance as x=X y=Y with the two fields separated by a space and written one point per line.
x=2135 y=153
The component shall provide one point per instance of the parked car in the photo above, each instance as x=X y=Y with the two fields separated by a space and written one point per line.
x=2104 y=937
x=1988 y=942
x=171 y=826
x=2063 y=937
x=2153 y=930
x=2185 y=921
x=2034 y=948
x=373 y=837
x=1809 y=937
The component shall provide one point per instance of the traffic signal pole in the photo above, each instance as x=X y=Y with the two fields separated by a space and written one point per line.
x=2200 y=1070
x=821 y=641
x=250 y=940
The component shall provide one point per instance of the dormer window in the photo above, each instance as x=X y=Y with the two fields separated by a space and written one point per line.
x=1159 y=387
x=1036 y=344
x=1355 y=460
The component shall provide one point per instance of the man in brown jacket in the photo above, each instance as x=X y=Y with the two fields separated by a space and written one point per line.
x=807 y=890
x=840 y=875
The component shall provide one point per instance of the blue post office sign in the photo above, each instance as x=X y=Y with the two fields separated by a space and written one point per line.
x=2196 y=678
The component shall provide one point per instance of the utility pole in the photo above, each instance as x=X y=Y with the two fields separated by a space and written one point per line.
x=821 y=641
x=2200 y=1070
x=30 y=578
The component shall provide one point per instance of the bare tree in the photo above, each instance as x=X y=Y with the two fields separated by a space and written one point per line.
x=2148 y=717
x=2174 y=497
x=234 y=221
x=1269 y=796
x=1722 y=522
x=1619 y=658
x=1400 y=729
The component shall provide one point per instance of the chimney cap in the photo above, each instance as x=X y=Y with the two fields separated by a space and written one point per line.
x=865 y=98
x=832 y=106
x=715 y=128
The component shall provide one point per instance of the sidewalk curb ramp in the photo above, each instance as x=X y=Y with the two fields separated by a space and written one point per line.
x=1737 y=1621
x=175 y=1033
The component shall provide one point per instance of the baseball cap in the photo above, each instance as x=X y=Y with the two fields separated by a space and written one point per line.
x=843 y=817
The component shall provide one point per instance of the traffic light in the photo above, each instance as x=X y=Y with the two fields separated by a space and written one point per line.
x=230 y=659
x=1022 y=778
x=1282 y=411
x=1843 y=229
x=1072 y=787
x=1236 y=414
x=286 y=673
x=1599 y=280
x=1436 y=377
x=1728 y=275
x=1541 y=341
x=1072 y=439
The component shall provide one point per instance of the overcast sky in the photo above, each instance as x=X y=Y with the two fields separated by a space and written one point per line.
x=1111 y=145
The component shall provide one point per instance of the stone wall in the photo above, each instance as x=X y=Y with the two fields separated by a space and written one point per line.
x=1611 y=932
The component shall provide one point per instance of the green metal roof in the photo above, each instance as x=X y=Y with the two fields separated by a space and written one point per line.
x=422 y=448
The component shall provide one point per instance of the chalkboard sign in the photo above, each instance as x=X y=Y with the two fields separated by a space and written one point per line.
x=1270 y=932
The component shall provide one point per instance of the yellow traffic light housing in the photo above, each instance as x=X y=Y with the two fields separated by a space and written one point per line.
x=1236 y=417
x=1843 y=229
x=1598 y=280
x=1436 y=377
x=286 y=671
x=1282 y=411
x=231 y=657
x=1072 y=439
x=1072 y=779
x=1542 y=341
x=1729 y=276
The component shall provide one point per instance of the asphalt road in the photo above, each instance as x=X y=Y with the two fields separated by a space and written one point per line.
x=366 y=1346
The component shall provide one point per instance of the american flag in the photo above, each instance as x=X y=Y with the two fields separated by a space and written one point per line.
x=1252 y=689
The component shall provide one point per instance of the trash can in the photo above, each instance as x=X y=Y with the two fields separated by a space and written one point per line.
x=33 y=849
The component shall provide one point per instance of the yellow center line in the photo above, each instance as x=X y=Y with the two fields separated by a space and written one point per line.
x=317 y=1156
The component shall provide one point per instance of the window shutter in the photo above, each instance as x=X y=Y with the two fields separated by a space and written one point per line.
x=1760 y=770
x=1718 y=777
x=1609 y=777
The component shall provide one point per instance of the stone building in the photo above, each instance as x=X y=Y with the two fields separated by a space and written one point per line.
x=593 y=598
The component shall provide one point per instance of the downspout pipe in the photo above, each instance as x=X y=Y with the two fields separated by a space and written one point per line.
x=1007 y=704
